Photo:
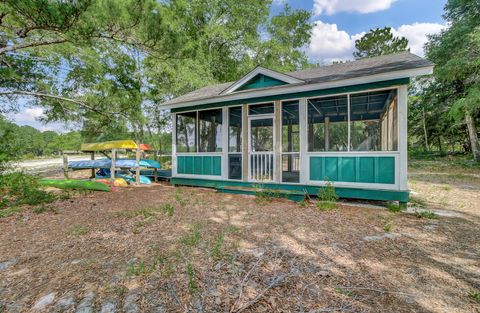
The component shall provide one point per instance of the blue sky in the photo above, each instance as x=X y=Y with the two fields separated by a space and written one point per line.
x=338 y=23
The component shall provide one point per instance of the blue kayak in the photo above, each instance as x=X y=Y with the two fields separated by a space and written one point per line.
x=107 y=163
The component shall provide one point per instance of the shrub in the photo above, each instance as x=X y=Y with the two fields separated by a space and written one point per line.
x=18 y=189
x=393 y=207
x=327 y=197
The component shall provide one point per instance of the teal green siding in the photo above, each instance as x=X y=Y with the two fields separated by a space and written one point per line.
x=358 y=169
x=313 y=93
x=261 y=81
x=342 y=192
x=199 y=165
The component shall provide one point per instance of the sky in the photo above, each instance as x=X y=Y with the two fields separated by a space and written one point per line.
x=337 y=24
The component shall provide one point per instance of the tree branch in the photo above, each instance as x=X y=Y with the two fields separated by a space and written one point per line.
x=31 y=44
x=44 y=95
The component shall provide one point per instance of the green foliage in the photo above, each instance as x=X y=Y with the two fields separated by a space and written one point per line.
x=180 y=198
x=379 y=41
x=388 y=226
x=79 y=230
x=21 y=189
x=216 y=251
x=474 y=295
x=394 y=207
x=425 y=214
x=327 y=197
x=192 y=284
x=192 y=237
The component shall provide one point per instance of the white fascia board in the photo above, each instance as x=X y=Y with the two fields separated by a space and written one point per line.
x=286 y=89
x=261 y=70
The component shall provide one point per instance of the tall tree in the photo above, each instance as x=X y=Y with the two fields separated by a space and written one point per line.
x=456 y=54
x=379 y=41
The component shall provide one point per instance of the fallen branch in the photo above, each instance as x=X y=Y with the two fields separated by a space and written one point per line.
x=274 y=282
x=375 y=290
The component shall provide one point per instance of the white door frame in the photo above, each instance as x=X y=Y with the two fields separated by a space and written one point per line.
x=250 y=150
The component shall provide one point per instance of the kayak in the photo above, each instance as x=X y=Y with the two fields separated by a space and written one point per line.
x=74 y=184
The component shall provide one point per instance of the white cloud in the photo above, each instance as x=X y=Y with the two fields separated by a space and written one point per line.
x=330 y=7
x=29 y=115
x=328 y=43
x=417 y=35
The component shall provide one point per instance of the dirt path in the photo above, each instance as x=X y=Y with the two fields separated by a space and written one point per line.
x=165 y=249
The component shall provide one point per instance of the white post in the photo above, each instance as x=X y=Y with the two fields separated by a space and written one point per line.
x=402 y=137
x=174 y=144
x=225 y=123
x=137 y=164
x=112 y=167
x=304 y=167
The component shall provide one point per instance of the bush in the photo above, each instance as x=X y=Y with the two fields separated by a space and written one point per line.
x=327 y=197
x=19 y=188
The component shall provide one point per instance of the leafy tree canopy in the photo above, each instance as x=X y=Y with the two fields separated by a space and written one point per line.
x=379 y=41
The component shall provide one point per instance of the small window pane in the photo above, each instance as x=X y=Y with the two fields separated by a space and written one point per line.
x=373 y=117
x=235 y=166
x=210 y=131
x=266 y=108
x=291 y=168
x=262 y=135
x=186 y=125
x=290 y=127
x=328 y=124
x=235 y=129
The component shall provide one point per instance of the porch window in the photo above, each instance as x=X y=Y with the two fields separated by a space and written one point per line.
x=210 y=131
x=373 y=118
x=290 y=142
x=328 y=124
x=186 y=131
x=235 y=143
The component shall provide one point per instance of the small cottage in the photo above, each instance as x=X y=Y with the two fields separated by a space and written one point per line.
x=343 y=123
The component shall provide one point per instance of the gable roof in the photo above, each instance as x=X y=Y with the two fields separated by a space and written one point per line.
x=259 y=70
x=386 y=67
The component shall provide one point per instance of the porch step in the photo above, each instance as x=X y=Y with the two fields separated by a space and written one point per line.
x=293 y=195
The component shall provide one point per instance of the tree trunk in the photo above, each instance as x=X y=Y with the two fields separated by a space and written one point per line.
x=425 y=131
x=472 y=133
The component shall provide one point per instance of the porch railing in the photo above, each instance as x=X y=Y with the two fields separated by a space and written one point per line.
x=261 y=166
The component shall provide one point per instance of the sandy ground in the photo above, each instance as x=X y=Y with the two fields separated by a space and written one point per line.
x=43 y=165
x=164 y=249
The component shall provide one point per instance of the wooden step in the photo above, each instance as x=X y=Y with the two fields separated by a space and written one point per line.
x=293 y=195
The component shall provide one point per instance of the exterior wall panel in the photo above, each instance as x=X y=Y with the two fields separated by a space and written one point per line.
x=199 y=165
x=357 y=169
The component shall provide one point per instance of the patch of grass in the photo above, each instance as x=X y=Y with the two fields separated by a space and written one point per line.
x=192 y=238
x=10 y=211
x=327 y=197
x=344 y=292
x=425 y=214
x=139 y=269
x=118 y=290
x=142 y=268
x=180 y=198
x=79 y=230
x=168 y=209
x=216 y=251
x=417 y=202
x=394 y=207
x=192 y=284
x=265 y=195
x=388 y=226
x=474 y=295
